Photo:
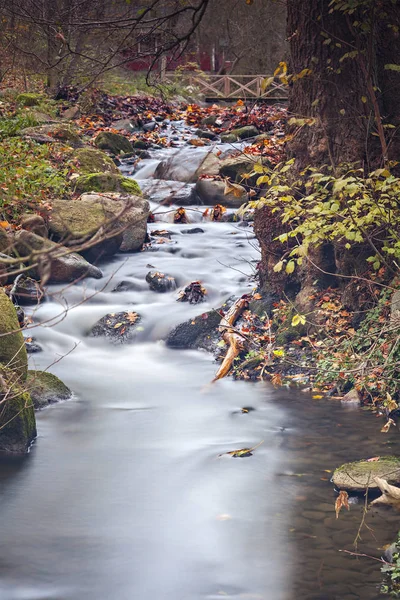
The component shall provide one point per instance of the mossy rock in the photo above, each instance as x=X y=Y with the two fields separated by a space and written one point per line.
x=113 y=142
x=229 y=138
x=45 y=388
x=12 y=347
x=5 y=240
x=47 y=134
x=28 y=99
x=358 y=476
x=91 y=160
x=236 y=167
x=107 y=182
x=243 y=133
x=17 y=417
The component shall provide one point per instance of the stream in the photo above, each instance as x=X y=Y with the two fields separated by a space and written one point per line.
x=125 y=496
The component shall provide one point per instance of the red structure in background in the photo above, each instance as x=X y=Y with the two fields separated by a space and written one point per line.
x=209 y=61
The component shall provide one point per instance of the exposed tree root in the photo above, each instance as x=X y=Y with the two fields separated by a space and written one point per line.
x=390 y=494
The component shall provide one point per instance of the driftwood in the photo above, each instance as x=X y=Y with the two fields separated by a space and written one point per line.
x=390 y=494
x=236 y=342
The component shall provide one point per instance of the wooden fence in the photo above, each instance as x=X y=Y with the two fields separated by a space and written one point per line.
x=232 y=87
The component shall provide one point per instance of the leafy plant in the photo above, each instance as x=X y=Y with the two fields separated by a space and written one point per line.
x=392 y=574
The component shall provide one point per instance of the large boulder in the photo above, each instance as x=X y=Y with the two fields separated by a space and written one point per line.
x=122 y=217
x=57 y=132
x=56 y=262
x=113 y=142
x=17 y=416
x=12 y=347
x=236 y=167
x=360 y=475
x=106 y=182
x=90 y=160
x=118 y=328
x=199 y=332
x=45 y=388
x=212 y=191
x=187 y=166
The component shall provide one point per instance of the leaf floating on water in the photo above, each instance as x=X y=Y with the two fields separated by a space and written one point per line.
x=341 y=500
x=243 y=452
x=388 y=425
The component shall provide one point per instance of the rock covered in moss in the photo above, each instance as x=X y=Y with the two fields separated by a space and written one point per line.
x=113 y=142
x=244 y=133
x=90 y=160
x=47 y=134
x=45 y=388
x=29 y=99
x=118 y=328
x=358 y=476
x=12 y=347
x=64 y=266
x=123 y=216
x=106 y=182
x=229 y=138
x=17 y=416
x=237 y=166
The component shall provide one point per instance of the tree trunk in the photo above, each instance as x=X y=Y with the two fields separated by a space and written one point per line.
x=334 y=91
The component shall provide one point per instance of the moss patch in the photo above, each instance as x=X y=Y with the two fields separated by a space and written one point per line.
x=45 y=388
x=17 y=416
x=12 y=347
x=357 y=476
x=53 y=133
x=107 y=182
x=113 y=142
x=27 y=99
x=90 y=160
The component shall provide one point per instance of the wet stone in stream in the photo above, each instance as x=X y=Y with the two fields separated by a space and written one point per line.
x=118 y=328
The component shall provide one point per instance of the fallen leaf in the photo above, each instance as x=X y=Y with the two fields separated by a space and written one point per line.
x=341 y=500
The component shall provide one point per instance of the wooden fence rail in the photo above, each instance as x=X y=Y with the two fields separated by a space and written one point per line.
x=232 y=87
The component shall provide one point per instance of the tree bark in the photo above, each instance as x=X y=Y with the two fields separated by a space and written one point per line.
x=332 y=94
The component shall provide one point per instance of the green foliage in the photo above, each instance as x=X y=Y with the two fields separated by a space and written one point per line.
x=343 y=208
x=392 y=574
x=30 y=176
x=12 y=126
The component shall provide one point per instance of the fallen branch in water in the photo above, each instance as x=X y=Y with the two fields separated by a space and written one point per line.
x=232 y=337
x=390 y=494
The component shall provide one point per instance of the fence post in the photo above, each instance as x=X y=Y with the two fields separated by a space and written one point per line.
x=227 y=86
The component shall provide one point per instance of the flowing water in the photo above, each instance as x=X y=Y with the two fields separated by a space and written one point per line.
x=125 y=496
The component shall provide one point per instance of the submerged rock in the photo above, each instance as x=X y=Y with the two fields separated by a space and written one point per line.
x=45 y=388
x=159 y=282
x=193 y=230
x=12 y=347
x=17 y=416
x=113 y=142
x=118 y=328
x=360 y=475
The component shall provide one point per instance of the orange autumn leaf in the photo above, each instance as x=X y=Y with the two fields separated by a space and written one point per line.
x=341 y=500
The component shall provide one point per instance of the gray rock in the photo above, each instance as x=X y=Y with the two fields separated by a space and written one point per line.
x=193 y=230
x=188 y=165
x=27 y=291
x=360 y=475
x=61 y=265
x=127 y=286
x=34 y=223
x=118 y=328
x=196 y=333
x=159 y=282
x=48 y=134
x=17 y=416
x=212 y=191
x=205 y=134
x=45 y=388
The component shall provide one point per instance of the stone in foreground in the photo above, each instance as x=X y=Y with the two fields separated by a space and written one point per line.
x=358 y=476
x=12 y=347
x=118 y=328
x=45 y=388
x=17 y=415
